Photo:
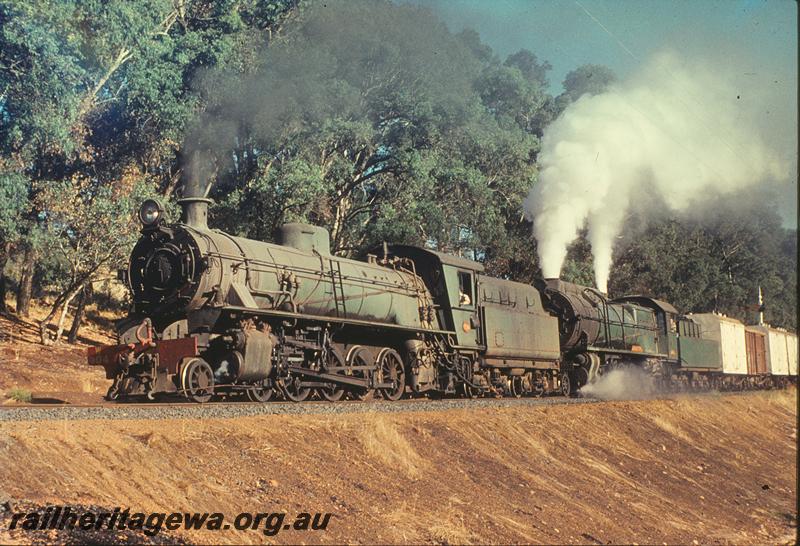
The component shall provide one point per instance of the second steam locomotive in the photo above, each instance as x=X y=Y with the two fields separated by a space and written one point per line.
x=215 y=314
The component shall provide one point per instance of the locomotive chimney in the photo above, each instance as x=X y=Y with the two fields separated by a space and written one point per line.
x=555 y=283
x=194 y=211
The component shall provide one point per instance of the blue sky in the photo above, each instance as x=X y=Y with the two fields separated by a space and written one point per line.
x=753 y=40
x=624 y=33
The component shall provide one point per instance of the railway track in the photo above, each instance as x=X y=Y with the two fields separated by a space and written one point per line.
x=227 y=410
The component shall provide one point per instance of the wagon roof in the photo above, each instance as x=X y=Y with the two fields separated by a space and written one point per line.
x=764 y=328
x=715 y=316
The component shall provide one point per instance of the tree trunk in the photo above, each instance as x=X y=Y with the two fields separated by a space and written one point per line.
x=61 y=303
x=89 y=101
x=63 y=316
x=174 y=178
x=340 y=215
x=3 y=260
x=3 y=307
x=26 y=283
x=44 y=335
x=72 y=337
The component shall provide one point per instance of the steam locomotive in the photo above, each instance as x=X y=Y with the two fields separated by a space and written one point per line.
x=218 y=315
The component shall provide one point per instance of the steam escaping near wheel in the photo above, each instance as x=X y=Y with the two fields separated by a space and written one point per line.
x=676 y=134
x=623 y=383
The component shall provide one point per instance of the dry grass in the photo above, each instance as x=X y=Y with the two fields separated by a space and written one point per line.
x=669 y=427
x=20 y=395
x=450 y=529
x=621 y=472
x=403 y=519
x=786 y=399
x=384 y=442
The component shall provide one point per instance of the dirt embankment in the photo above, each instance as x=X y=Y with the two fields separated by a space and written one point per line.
x=707 y=469
x=51 y=373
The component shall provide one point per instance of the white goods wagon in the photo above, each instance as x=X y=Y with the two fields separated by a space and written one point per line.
x=729 y=333
x=781 y=350
x=791 y=346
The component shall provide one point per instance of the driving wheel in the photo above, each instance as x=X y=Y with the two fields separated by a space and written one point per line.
x=392 y=371
x=261 y=391
x=333 y=392
x=359 y=356
x=566 y=384
x=293 y=390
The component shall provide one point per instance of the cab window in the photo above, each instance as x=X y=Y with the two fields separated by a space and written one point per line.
x=628 y=314
x=465 y=296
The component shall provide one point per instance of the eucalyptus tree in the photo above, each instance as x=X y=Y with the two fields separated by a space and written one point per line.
x=374 y=120
x=94 y=98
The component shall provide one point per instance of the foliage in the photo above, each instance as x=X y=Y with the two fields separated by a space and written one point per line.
x=20 y=395
x=577 y=266
x=107 y=85
x=530 y=67
x=376 y=122
x=95 y=93
x=588 y=79
x=715 y=261
x=79 y=218
x=370 y=118
x=13 y=204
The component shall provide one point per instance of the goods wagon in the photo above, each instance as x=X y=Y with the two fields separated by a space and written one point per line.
x=730 y=334
x=781 y=350
x=756 y=345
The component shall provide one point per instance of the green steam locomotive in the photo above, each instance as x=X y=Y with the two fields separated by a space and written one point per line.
x=218 y=315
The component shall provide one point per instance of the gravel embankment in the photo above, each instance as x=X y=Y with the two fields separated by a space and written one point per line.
x=224 y=410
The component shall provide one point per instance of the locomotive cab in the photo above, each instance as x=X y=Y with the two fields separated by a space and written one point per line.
x=680 y=338
x=666 y=317
x=499 y=327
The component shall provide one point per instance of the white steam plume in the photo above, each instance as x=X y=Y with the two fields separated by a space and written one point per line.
x=623 y=383
x=683 y=133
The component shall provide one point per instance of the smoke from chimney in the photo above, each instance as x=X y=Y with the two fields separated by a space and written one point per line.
x=685 y=133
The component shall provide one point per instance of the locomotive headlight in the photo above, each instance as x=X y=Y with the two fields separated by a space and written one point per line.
x=150 y=213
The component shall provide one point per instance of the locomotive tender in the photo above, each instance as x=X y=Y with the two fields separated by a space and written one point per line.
x=217 y=314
